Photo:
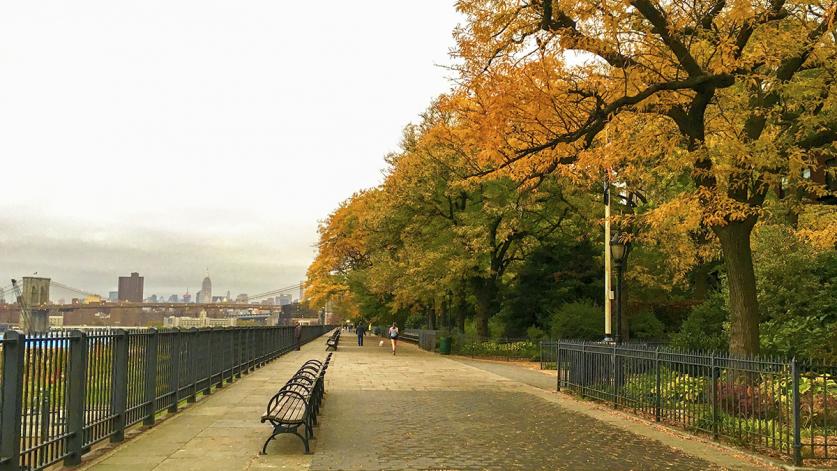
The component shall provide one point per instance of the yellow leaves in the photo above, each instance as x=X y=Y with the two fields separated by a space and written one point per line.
x=818 y=226
x=342 y=246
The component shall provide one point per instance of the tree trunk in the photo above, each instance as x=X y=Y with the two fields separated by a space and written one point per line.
x=701 y=284
x=485 y=292
x=461 y=311
x=431 y=317
x=741 y=279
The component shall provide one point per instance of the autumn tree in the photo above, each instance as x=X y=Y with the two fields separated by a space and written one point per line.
x=431 y=232
x=343 y=250
x=740 y=94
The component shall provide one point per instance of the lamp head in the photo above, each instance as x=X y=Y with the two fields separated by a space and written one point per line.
x=618 y=248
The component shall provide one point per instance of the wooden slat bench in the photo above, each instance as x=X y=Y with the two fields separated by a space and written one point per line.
x=333 y=340
x=297 y=404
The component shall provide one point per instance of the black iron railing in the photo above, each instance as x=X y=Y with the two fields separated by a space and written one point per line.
x=63 y=391
x=768 y=403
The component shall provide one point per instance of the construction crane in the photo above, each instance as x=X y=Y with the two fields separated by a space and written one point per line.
x=25 y=314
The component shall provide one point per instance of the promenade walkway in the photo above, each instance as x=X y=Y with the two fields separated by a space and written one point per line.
x=415 y=410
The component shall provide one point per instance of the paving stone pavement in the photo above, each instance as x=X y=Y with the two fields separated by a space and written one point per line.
x=411 y=411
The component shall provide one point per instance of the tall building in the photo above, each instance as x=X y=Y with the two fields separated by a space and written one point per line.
x=173 y=298
x=130 y=288
x=206 y=290
x=113 y=296
x=187 y=298
x=285 y=299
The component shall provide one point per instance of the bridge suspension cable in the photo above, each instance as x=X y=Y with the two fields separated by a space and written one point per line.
x=6 y=290
x=70 y=288
x=267 y=294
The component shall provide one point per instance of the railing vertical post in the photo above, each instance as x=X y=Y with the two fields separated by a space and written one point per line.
x=558 y=363
x=222 y=340
x=150 y=387
x=191 y=363
x=242 y=352
x=207 y=337
x=235 y=352
x=245 y=352
x=76 y=385
x=238 y=353
x=242 y=336
x=251 y=334
x=713 y=372
x=12 y=412
x=119 y=384
x=614 y=377
x=583 y=369
x=174 y=370
x=658 y=400
x=797 y=415
x=248 y=347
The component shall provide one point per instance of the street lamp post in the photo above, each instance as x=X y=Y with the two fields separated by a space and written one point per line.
x=619 y=254
x=608 y=328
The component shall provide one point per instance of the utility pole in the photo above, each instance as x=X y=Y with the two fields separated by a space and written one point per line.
x=608 y=294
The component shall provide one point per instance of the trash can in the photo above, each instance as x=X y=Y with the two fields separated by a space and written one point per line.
x=444 y=345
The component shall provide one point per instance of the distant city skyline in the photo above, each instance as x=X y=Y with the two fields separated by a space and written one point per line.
x=149 y=289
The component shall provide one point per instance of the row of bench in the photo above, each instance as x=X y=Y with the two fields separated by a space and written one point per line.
x=298 y=402
x=333 y=340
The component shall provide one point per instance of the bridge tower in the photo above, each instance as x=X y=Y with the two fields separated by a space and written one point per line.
x=35 y=295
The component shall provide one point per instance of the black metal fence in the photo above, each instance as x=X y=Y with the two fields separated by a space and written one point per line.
x=63 y=391
x=771 y=404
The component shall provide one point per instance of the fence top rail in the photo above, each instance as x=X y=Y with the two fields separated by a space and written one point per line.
x=671 y=354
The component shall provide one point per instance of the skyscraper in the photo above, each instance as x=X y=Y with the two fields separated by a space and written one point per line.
x=206 y=290
x=130 y=288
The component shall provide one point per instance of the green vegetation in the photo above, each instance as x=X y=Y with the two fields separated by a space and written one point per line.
x=715 y=146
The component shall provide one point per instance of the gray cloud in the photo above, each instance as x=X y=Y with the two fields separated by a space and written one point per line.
x=170 y=262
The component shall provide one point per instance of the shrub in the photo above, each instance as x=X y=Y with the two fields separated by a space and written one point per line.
x=796 y=285
x=415 y=321
x=496 y=327
x=646 y=326
x=674 y=386
x=745 y=400
x=578 y=320
x=535 y=334
x=491 y=348
x=705 y=328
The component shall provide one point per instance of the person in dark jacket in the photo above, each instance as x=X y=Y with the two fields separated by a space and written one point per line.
x=298 y=335
x=360 y=329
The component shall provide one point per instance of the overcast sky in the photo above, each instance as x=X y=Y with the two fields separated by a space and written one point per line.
x=173 y=136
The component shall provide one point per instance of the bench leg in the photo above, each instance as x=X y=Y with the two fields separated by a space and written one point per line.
x=293 y=431
x=310 y=428
x=272 y=436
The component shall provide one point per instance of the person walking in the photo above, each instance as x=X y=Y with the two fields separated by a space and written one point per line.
x=360 y=329
x=298 y=335
x=393 y=336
